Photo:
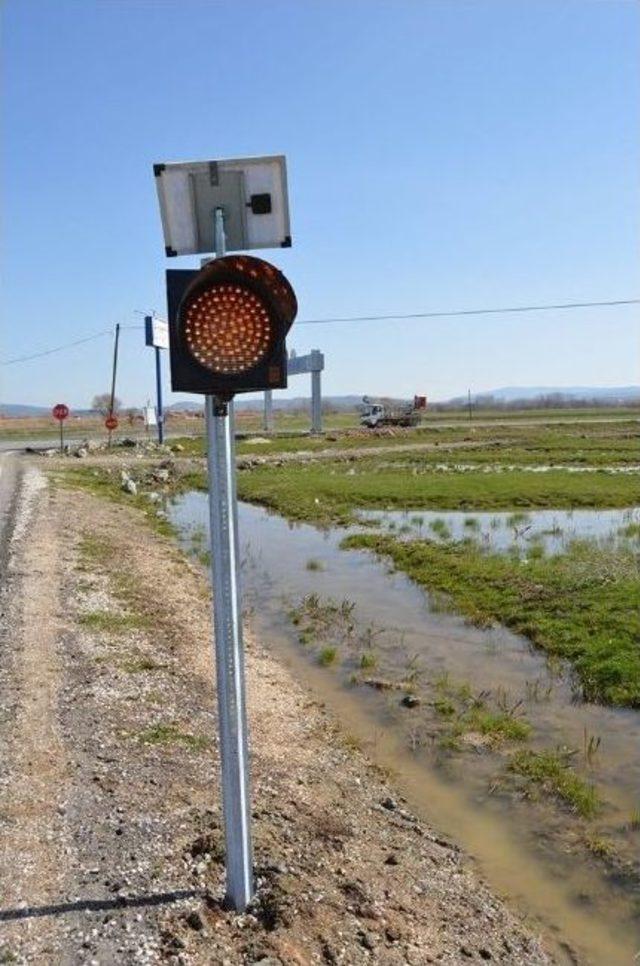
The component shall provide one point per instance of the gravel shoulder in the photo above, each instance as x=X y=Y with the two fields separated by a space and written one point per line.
x=110 y=820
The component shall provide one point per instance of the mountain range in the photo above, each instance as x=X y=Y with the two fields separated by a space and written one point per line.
x=507 y=394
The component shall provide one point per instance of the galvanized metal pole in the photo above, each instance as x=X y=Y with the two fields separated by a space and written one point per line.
x=229 y=653
x=227 y=619
x=268 y=410
x=159 y=410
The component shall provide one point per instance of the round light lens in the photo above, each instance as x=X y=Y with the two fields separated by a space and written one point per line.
x=227 y=329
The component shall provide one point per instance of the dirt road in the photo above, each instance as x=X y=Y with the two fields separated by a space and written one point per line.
x=112 y=848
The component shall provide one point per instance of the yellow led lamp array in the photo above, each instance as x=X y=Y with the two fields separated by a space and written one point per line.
x=227 y=329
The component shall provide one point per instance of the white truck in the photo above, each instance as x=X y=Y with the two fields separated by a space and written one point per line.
x=387 y=412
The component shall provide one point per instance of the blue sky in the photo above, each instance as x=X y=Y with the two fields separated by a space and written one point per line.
x=442 y=155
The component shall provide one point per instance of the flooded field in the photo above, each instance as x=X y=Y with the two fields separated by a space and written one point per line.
x=577 y=875
x=550 y=530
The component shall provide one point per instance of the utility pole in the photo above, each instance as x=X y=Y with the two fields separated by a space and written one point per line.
x=113 y=376
x=469 y=404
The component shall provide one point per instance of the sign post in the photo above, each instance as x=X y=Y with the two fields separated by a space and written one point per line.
x=227 y=623
x=111 y=423
x=227 y=620
x=227 y=329
x=60 y=412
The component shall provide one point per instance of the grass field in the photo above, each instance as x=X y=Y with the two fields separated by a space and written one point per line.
x=493 y=473
x=581 y=443
x=328 y=493
x=33 y=427
x=581 y=605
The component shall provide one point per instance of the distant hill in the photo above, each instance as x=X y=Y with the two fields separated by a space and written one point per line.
x=506 y=396
x=9 y=409
x=18 y=410
x=606 y=394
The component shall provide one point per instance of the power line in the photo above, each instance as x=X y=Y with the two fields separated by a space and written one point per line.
x=67 y=345
x=447 y=314
x=59 y=348
x=562 y=306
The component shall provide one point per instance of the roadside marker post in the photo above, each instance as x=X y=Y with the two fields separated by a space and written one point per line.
x=227 y=328
x=60 y=412
x=111 y=423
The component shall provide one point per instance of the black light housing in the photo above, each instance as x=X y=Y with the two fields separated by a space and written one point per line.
x=227 y=326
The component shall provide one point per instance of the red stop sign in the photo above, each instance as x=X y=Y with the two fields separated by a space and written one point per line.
x=60 y=411
x=111 y=422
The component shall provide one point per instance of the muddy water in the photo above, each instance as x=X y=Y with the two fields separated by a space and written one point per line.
x=519 y=847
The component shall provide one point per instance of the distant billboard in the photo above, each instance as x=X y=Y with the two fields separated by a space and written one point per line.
x=156 y=332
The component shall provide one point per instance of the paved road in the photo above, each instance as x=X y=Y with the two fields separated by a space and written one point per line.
x=49 y=442
x=10 y=481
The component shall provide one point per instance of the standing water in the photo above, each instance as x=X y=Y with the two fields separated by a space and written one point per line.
x=525 y=849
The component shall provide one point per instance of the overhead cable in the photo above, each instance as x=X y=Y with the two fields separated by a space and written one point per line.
x=449 y=313
x=66 y=345
x=558 y=307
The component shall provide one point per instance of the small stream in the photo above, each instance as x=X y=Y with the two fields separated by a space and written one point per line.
x=522 y=848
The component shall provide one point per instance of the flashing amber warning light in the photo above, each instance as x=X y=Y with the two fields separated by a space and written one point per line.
x=227 y=326
x=227 y=329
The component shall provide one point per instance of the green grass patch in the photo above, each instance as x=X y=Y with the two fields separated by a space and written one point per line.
x=327 y=494
x=498 y=724
x=484 y=712
x=327 y=656
x=600 y=846
x=111 y=623
x=581 y=605
x=631 y=530
x=445 y=707
x=141 y=664
x=171 y=734
x=94 y=549
x=100 y=482
x=550 y=771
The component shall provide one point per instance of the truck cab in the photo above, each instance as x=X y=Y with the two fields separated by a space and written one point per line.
x=373 y=416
